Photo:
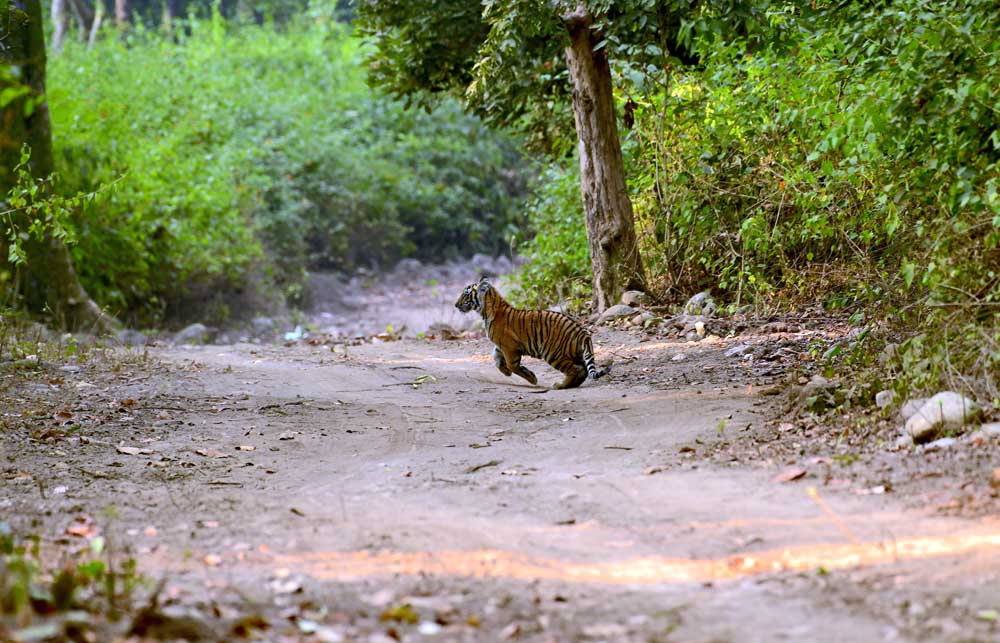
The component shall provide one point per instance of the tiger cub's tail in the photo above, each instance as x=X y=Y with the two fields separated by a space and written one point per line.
x=590 y=363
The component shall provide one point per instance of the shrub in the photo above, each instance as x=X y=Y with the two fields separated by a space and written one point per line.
x=242 y=149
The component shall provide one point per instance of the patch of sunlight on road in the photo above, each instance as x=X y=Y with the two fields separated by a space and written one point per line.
x=491 y=563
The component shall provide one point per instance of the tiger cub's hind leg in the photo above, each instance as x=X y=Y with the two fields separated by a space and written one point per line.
x=500 y=361
x=575 y=376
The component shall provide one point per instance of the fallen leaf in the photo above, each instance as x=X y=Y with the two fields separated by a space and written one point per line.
x=130 y=450
x=475 y=468
x=297 y=512
x=246 y=447
x=792 y=473
x=651 y=470
x=401 y=614
x=212 y=560
x=212 y=453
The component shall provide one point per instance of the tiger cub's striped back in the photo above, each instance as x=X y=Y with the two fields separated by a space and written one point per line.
x=554 y=337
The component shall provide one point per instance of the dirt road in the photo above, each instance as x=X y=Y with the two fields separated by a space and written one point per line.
x=407 y=490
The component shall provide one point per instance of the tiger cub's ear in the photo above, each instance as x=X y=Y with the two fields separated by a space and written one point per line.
x=484 y=285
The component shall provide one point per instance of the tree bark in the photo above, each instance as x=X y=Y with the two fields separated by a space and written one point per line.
x=121 y=12
x=60 y=21
x=50 y=283
x=84 y=15
x=614 y=250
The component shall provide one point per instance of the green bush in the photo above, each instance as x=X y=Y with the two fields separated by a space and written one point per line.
x=242 y=150
x=557 y=254
x=849 y=157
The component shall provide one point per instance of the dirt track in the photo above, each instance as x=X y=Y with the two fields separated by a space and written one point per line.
x=413 y=473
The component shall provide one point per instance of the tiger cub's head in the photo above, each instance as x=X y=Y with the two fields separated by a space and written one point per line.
x=473 y=295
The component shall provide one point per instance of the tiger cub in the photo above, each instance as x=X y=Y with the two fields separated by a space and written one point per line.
x=544 y=334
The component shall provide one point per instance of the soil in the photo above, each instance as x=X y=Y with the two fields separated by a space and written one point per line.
x=404 y=489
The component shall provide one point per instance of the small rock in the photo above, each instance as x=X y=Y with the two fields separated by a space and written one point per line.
x=701 y=304
x=739 y=350
x=991 y=429
x=604 y=631
x=944 y=410
x=941 y=443
x=410 y=267
x=699 y=328
x=679 y=357
x=904 y=441
x=617 y=311
x=262 y=325
x=70 y=368
x=635 y=298
x=884 y=398
x=643 y=319
x=193 y=334
x=130 y=337
x=818 y=394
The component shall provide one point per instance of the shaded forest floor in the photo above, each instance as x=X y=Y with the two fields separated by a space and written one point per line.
x=403 y=489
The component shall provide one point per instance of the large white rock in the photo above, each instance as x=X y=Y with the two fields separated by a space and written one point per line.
x=944 y=410
x=910 y=407
x=634 y=298
x=617 y=312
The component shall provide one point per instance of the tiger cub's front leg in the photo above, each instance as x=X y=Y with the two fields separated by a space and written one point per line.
x=500 y=361
x=513 y=361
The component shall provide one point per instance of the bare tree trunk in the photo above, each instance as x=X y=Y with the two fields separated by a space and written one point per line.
x=614 y=251
x=50 y=282
x=121 y=12
x=60 y=21
x=95 y=27
x=84 y=15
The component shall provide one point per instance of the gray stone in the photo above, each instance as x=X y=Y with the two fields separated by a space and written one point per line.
x=818 y=394
x=130 y=337
x=617 y=311
x=263 y=325
x=904 y=441
x=503 y=265
x=991 y=429
x=70 y=368
x=642 y=318
x=701 y=304
x=884 y=398
x=910 y=408
x=635 y=298
x=408 y=266
x=193 y=334
x=944 y=410
x=941 y=443
x=739 y=350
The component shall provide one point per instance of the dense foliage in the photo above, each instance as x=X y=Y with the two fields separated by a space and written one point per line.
x=852 y=156
x=262 y=150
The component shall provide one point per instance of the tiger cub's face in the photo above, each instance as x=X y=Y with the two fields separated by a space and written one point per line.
x=471 y=297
